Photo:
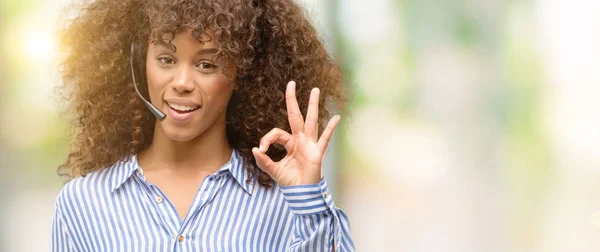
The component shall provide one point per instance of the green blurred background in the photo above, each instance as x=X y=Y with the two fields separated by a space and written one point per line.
x=473 y=124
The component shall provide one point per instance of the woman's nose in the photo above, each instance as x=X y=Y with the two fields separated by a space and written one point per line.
x=184 y=81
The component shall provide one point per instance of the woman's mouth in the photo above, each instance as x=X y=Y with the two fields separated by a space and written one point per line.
x=180 y=112
x=182 y=108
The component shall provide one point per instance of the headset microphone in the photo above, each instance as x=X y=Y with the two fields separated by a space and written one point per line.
x=159 y=114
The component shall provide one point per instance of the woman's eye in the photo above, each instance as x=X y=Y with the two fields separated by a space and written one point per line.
x=165 y=60
x=206 y=65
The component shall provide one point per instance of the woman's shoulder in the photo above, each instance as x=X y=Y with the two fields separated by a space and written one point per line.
x=100 y=182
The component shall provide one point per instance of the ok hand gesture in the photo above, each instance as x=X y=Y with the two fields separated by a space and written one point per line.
x=305 y=150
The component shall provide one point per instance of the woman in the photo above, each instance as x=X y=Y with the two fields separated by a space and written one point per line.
x=233 y=164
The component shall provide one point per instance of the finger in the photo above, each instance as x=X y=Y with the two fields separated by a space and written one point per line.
x=312 y=116
x=294 y=115
x=276 y=135
x=264 y=162
x=328 y=132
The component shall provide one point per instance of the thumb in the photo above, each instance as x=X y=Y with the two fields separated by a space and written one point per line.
x=264 y=162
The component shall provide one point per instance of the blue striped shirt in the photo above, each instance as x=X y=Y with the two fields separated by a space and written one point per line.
x=117 y=209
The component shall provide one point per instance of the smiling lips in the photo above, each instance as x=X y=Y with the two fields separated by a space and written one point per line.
x=182 y=106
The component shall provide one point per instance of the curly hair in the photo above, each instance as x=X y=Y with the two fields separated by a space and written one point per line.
x=270 y=42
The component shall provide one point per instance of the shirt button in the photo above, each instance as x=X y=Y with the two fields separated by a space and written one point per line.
x=159 y=199
x=139 y=173
x=180 y=239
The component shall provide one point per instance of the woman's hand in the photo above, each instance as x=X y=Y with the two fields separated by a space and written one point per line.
x=302 y=164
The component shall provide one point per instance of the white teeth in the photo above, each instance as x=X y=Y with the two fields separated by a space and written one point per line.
x=181 y=107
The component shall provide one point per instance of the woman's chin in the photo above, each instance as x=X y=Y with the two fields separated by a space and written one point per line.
x=180 y=135
x=188 y=132
x=181 y=138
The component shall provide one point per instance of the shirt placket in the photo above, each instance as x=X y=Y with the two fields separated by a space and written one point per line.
x=163 y=211
x=210 y=187
x=167 y=215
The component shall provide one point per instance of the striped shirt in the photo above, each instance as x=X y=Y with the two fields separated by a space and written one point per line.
x=117 y=209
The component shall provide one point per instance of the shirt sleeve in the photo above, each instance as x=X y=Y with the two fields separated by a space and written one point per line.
x=318 y=224
x=61 y=240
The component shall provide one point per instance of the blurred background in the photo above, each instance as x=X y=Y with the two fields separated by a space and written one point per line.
x=473 y=124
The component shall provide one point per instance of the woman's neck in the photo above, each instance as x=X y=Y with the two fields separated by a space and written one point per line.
x=205 y=153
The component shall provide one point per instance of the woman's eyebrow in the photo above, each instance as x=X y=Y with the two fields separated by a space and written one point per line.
x=207 y=51
x=169 y=46
x=165 y=45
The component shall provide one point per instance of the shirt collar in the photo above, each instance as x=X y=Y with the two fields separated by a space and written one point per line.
x=124 y=169
x=121 y=171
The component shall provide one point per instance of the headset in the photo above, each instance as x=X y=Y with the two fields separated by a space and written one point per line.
x=159 y=114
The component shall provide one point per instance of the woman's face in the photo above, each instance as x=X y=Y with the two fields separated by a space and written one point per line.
x=188 y=85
